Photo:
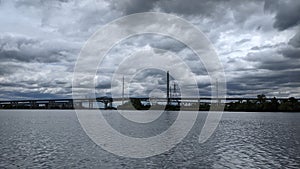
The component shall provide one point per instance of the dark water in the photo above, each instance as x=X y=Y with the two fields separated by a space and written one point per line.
x=55 y=139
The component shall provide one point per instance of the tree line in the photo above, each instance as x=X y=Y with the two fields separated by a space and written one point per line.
x=260 y=104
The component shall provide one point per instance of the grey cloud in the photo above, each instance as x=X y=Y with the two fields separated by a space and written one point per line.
x=275 y=58
x=263 y=56
x=270 y=52
x=268 y=46
x=234 y=27
x=70 y=19
x=208 y=8
x=188 y=7
x=150 y=74
x=168 y=44
x=25 y=49
x=13 y=95
x=132 y=6
x=155 y=41
x=103 y=85
x=271 y=5
x=279 y=65
x=295 y=41
x=275 y=70
x=216 y=9
x=37 y=2
x=291 y=52
x=8 y=69
x=242 y=41
x=181 y=7
x=253 y=84
x=276 y=78
x=292 y=49
x=103 y=81
x=287 y=13
x=44 y=8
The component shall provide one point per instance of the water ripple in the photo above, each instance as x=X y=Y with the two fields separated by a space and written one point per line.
x=55 y=139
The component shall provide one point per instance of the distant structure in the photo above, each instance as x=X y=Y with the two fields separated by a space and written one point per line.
x=168 y=88
x=123 y=91
x=175 y=93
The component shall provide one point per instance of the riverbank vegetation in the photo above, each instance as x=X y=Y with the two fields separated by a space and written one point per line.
x=259 y=104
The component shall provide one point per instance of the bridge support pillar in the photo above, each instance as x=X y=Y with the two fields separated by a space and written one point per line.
x=33 y=105
x=14 y=104
x=90 y=104
x=71 y=104
x=51 y=104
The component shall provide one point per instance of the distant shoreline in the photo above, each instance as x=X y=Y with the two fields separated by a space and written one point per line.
x=163 y=110
x=259 y=104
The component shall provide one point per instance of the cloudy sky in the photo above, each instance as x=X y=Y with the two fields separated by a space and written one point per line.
x=258 y=43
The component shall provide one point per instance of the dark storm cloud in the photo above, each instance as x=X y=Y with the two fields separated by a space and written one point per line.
x=287 y=12
x=291 y=52
x=288 y=15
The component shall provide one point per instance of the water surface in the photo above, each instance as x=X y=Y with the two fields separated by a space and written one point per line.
x=55 y=139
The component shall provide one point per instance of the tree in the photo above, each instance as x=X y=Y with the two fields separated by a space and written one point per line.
x=261 y=101
x=274 y=104
x=261 y=98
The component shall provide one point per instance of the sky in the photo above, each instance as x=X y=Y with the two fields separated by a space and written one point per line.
x=257 y=41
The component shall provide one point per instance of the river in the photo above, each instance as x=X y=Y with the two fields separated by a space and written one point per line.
x=55 y=139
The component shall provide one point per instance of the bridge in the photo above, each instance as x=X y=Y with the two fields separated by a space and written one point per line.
x=89 y=103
